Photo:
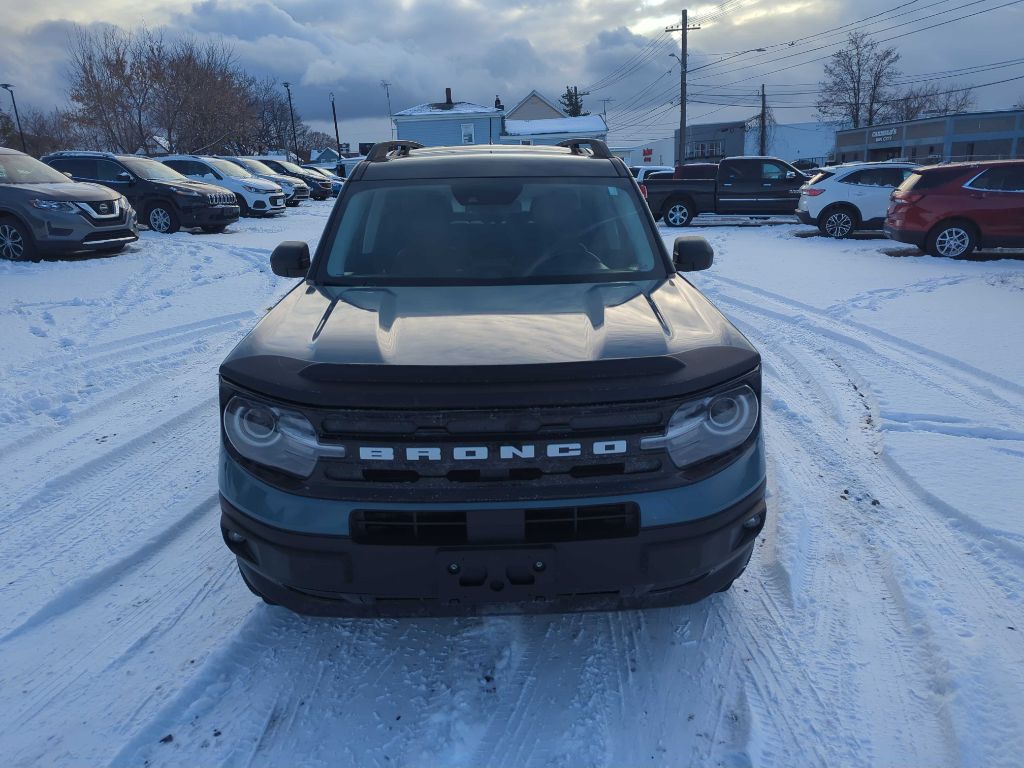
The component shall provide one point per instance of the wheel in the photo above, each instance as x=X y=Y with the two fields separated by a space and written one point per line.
x=952 y=240
x=15 y=241
x=838 y=222
x=213 y=230
x=243 y=206
x=678 y=213
x=162 y=218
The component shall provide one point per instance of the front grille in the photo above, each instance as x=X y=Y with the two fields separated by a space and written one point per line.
x=505 y=526
x=222 y=198
x=104 y=212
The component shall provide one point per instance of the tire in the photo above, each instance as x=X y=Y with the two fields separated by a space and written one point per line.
x=678 y=213
x=162 y=218
x=952 y=240
x=215 y=230
x=838 y=222
x=243 y=206
x=16 y=242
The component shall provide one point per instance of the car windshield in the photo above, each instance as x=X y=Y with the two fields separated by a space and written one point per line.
x=151 y=169
x=255 y=166
x=491 y=232
x=319 y=172
x=292 y=167
x=22 y=169
x=230 y=169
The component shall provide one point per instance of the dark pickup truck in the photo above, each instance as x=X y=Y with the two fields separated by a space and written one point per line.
x=742 y=186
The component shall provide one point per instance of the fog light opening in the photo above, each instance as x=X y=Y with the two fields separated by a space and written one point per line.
x=236 y=537
x=753 y=522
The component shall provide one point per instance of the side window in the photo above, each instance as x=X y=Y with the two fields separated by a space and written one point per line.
x=178 y=165
x=79 y=167
x=857 y=177
x=1006 y=179
x=108 y=171
x=735 y=170
x=773 y=171
x=202 y=169
x=891 y=177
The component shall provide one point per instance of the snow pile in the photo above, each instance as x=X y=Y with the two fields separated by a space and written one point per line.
x=879 y=623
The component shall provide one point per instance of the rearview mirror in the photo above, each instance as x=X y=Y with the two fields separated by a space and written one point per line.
x=692 y=253
x=290 y=259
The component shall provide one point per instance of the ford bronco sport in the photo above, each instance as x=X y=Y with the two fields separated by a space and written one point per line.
x=491 y=389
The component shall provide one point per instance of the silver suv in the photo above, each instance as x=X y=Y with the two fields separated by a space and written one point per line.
x=43 y=211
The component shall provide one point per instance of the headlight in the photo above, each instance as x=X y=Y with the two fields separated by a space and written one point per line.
x=187 y=192
x=702 y=429
x=54 y=205
x=275 y=437
x=255 y=190
x=286 y=186
x=124 y=204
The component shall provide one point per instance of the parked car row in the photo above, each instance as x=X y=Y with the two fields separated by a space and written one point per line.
x=95 y=201
x=947 y=210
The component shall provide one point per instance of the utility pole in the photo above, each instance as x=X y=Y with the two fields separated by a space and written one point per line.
x=604 y=108
x=337 y=137
x=295 y=137
x=763 y=145
x=683 y=28
x=387 y=92
x=10 y=89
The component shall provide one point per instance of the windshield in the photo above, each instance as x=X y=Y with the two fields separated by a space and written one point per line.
x=292 y=167
x=22 y=169
x=492 y=232
x=151 y=169
x=319 y=172
x=230 y=169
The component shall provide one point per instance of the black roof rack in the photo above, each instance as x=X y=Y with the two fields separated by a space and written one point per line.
x=598 y=148
x=380 y=151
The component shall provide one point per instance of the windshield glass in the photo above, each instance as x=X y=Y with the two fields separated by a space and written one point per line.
x=228 y=168
x=292 y=167
x=151 y=169
x=492 y=232
x=319 y=172
x=22 y=169
x=255 y=166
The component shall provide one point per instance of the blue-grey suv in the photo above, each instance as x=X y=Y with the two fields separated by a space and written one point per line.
x=492 y=388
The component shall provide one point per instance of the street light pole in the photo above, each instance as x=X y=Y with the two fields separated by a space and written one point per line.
x=295 y=138
x=17 y=118
x=337 y=137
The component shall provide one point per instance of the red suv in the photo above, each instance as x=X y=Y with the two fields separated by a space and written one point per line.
x=949 y=210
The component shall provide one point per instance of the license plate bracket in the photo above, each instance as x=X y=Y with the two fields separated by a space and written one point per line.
x=495 y=575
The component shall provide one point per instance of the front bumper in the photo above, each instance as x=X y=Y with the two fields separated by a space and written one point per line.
x=60 y=232
x=209 y=215
x=495 y=569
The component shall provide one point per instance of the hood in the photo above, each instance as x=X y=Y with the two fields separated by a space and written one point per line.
x=70 y=190
x=260 y=183
x=195 y=186
x=495 y=333
x=280 y=178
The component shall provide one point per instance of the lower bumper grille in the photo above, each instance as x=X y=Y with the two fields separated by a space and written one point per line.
x=507 y=526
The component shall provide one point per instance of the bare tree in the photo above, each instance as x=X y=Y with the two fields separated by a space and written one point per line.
x=7 y=130
x=931 y=100
x=860 y=81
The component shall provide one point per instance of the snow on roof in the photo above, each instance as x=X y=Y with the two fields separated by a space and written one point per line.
x=443 y=108
x=589 y=124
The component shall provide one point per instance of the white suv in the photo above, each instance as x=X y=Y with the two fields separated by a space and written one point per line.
x=641 y=172
x=256 y=196
x=844 y=198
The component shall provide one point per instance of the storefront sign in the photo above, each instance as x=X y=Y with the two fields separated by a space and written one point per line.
x=883 y=134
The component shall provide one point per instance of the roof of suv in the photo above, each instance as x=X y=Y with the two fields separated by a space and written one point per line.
x=491 y=160
x=967 y=164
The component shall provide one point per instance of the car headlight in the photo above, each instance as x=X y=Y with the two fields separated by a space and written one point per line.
x=275 y=437
x=702 y=429
x=286 y=186
x=54 y=205
x=255 y=190
x=187 y=192
x=124 y=204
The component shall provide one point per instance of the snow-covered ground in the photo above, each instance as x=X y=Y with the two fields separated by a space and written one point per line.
x=880 y=623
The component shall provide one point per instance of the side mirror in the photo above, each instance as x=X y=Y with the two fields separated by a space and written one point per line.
x=290 y=259
x=68 y=174
x=125 y=177
x=692 y=253
x=791 y=174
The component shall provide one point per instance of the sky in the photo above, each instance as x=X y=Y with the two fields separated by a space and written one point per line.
x=615 y=49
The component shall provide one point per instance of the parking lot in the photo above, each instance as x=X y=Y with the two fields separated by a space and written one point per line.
x=880 y=615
